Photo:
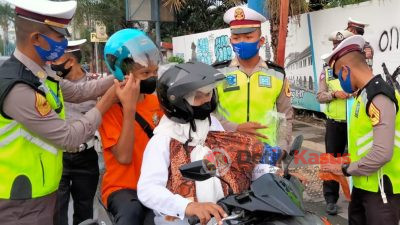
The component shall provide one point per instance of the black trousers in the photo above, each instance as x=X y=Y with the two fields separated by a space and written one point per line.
x=367 y=208
x=79 y=179
x=335 y=143
x=126 y=209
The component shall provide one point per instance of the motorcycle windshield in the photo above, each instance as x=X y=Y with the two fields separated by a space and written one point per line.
x=278 y=193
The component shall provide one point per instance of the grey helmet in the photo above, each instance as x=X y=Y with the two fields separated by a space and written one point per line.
x=180 y=80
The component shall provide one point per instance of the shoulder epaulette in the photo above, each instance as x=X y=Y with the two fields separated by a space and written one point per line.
x=222 y=64
x=275 y=66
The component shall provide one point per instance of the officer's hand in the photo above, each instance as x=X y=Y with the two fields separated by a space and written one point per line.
x=251 y=128
x=204 y=211
x=341 y=95
x=335 y=168
x=128 y=94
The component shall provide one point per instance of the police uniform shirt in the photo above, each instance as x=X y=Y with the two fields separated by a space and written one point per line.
x=283 y=103
x=21 y=106
x=74 y=111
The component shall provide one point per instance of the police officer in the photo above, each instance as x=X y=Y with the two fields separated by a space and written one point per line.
x=357 y=28
x=80 y=170
x=253 y=88
x=373 y=140
x=32 y=126
x=331 y=94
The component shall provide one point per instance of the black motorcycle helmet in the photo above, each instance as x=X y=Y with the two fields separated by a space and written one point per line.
x=180 y=80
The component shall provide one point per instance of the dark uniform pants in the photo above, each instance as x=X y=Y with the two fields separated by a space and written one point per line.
x=79 y=179
x=367 y=208
x=335 y=143
x=37 y=211
x=126 y=209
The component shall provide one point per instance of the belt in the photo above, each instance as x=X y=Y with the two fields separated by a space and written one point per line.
x=87 y=145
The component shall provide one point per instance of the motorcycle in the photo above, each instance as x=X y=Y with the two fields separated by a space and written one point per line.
x=270 y=200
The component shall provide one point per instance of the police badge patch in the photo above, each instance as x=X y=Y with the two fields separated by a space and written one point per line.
x=230 y=83
x=264 y=81
x=231 y=80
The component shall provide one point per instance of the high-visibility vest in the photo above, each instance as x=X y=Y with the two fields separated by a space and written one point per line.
x=30 y=167
x=360 y=143
x=336 y=109
x=245 y=98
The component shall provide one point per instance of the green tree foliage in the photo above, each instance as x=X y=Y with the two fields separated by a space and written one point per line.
x=6 y=18
x=196 y=16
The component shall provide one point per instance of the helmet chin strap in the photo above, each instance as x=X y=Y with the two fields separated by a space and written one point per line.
x=193 y=127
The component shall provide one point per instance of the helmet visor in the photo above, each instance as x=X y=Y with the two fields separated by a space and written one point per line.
x=142 y=50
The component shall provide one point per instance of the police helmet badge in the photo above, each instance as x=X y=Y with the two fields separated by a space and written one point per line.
x=239 y=14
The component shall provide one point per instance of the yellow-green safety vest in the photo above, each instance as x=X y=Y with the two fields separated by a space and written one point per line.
x=336 y=109
x=360 y=143
x=245 y=98
x=30 y=167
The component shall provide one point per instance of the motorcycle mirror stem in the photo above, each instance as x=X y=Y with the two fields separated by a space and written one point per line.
x=296 y=145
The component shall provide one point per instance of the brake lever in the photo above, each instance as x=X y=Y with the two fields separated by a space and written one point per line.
x=232 y=217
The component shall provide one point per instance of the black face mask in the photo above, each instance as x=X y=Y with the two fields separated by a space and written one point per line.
x=202 y=112
x=148 y=86
x=60 y=69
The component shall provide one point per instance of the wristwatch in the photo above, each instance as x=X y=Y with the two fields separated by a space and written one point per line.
x=344 y=170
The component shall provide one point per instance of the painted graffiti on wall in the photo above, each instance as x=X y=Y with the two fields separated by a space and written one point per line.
x=222 y=48
x=203 y=53
x=389 y=40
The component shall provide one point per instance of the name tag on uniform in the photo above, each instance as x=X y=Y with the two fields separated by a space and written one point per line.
x=357 y=109
x=264 y=81
x=231 y=83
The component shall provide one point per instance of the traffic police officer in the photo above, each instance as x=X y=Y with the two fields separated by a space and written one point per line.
x=331 y=93
x=373 y=138
x=253 y=87
x=357 y=27
x=80 y=170
x=32 y=126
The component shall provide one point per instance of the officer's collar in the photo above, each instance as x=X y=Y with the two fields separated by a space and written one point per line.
x=40 y=72
x=261 y=63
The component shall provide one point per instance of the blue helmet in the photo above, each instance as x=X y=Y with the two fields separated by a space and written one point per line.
x=129 y=45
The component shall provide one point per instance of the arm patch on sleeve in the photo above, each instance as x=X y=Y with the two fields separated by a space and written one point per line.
x=287 y=89
x=374 y=114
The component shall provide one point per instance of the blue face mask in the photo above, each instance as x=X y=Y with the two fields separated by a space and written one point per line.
x=246 y=50
x=56 y=49
x=346 y=84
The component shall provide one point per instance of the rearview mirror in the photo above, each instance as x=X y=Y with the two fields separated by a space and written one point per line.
x=196 y=170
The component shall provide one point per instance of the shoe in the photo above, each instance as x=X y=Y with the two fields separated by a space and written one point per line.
x=331 y=209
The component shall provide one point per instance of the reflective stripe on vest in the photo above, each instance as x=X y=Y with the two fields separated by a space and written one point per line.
x=30 y=167
x=361 y=142
x=245 y=98
x=336 y=109
x=25 y=134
